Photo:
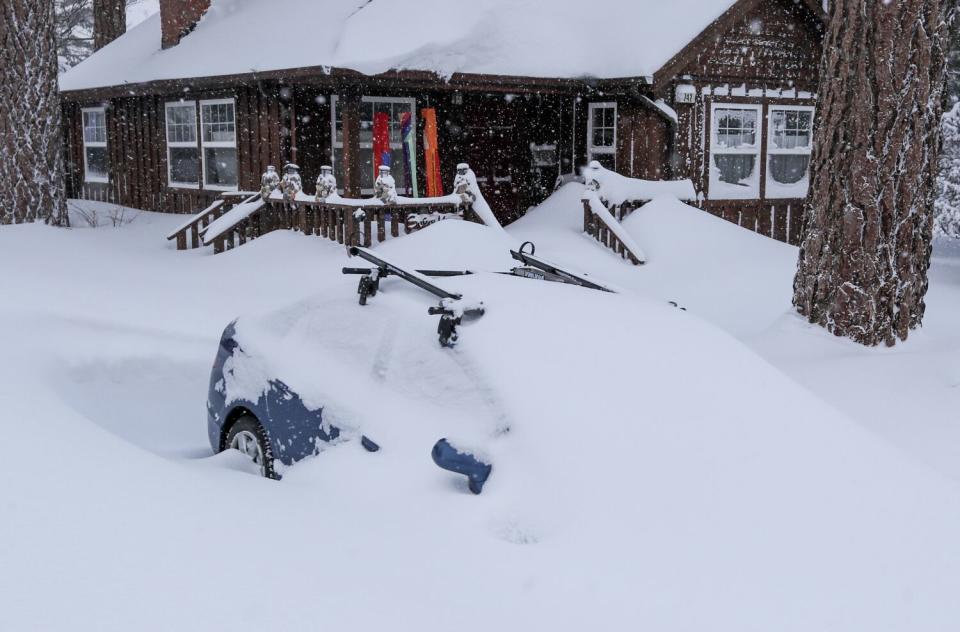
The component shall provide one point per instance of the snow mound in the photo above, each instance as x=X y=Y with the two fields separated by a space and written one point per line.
x=726 y=274
x=649 y=468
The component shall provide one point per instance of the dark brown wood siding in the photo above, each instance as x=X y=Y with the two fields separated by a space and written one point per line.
x=770 y=43
x=644 y=141
x=137 y=149
x=766 y=54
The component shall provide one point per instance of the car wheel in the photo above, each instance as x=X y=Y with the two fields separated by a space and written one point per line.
x=249 y=438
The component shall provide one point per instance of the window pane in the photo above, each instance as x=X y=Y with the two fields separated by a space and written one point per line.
x=184 y=165
x=735 y=127
x=791 y=128
x=96 y=162
x=218 y=123
x=609 y=116
x=94 y=127
x=181 y=124
x=221 y=166
x=598 y=117
x=787 y=169
x=735 y=169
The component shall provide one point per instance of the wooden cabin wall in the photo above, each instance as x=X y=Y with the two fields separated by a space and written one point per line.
x=494 y=133
x=772 y=49
x=776 y=44
x=644 y=141
x=312 y=133
x=137 y=149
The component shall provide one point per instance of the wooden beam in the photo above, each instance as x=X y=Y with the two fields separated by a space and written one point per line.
x=349 y=106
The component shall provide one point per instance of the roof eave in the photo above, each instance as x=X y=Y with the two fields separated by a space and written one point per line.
x=339 y=78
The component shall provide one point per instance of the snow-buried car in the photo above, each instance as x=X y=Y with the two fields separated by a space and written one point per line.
x=253 y=408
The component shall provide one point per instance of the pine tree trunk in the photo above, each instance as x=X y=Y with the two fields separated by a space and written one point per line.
x=868 y=220
x=109 y=21
x=31 y=148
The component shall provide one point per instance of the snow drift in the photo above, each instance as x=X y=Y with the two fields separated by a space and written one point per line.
x=651 y=471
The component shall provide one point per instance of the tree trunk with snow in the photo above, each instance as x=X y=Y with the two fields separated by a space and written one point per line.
x=868 y=220
x=31 y=149
x=109 y=21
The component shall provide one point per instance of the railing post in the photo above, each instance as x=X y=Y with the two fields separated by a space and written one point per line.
x=587 y=216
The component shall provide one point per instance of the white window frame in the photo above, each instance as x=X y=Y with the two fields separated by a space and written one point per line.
x=216 y=144
x=87 y=177
x=335 y=101
x=777 y=190
x=195 y=144
x=592 y=149
x=719 y=190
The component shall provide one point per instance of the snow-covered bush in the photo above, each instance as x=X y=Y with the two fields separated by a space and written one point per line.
x=946 y=220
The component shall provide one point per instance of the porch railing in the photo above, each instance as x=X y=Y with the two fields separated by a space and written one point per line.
x=604 y=226
x=348 y=224
x=237 y=217
x=609 y=198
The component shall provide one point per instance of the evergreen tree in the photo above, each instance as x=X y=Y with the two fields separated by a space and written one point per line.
x=868 y=220
x=31 y=147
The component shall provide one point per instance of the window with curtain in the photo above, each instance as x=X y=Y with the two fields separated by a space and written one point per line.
x=735 y=151
x=789 y=143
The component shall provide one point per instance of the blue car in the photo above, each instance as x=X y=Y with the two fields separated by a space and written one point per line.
x=276 y=426
x=252 y=410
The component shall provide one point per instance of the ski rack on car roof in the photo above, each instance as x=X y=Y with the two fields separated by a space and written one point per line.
x=543 y=270
x=452 y=308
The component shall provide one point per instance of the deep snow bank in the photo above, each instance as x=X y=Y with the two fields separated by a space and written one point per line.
x=656 y=472
x=730 y=276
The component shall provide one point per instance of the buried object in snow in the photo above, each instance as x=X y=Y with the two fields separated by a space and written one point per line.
x=446 y=456
x=288 y=420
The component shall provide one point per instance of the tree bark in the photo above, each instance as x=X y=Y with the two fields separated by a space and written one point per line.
x=868 y=219
x=109 y=21
x=31 y=147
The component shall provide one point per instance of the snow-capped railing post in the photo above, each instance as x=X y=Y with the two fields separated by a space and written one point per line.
x=292 y=185
x=385 y=190
x=326 y=183
x=463 y=187
x=269 y=182
x=600 y=223
x=353 y=223
x=591 y=185
x=326 y=188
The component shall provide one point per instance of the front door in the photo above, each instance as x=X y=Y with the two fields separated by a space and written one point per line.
x=493 y=159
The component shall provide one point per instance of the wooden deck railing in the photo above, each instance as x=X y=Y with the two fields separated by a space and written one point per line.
x=603 y=224
x=360 y=224
x=189 y=231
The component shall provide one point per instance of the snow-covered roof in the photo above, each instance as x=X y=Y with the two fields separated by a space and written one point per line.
x=531 y=38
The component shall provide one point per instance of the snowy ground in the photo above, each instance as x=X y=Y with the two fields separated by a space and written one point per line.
x=116 y=517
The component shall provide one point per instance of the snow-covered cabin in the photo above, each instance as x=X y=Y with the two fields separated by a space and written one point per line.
x=202 y=97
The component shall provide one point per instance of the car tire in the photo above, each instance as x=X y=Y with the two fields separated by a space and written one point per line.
x=248 y=437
